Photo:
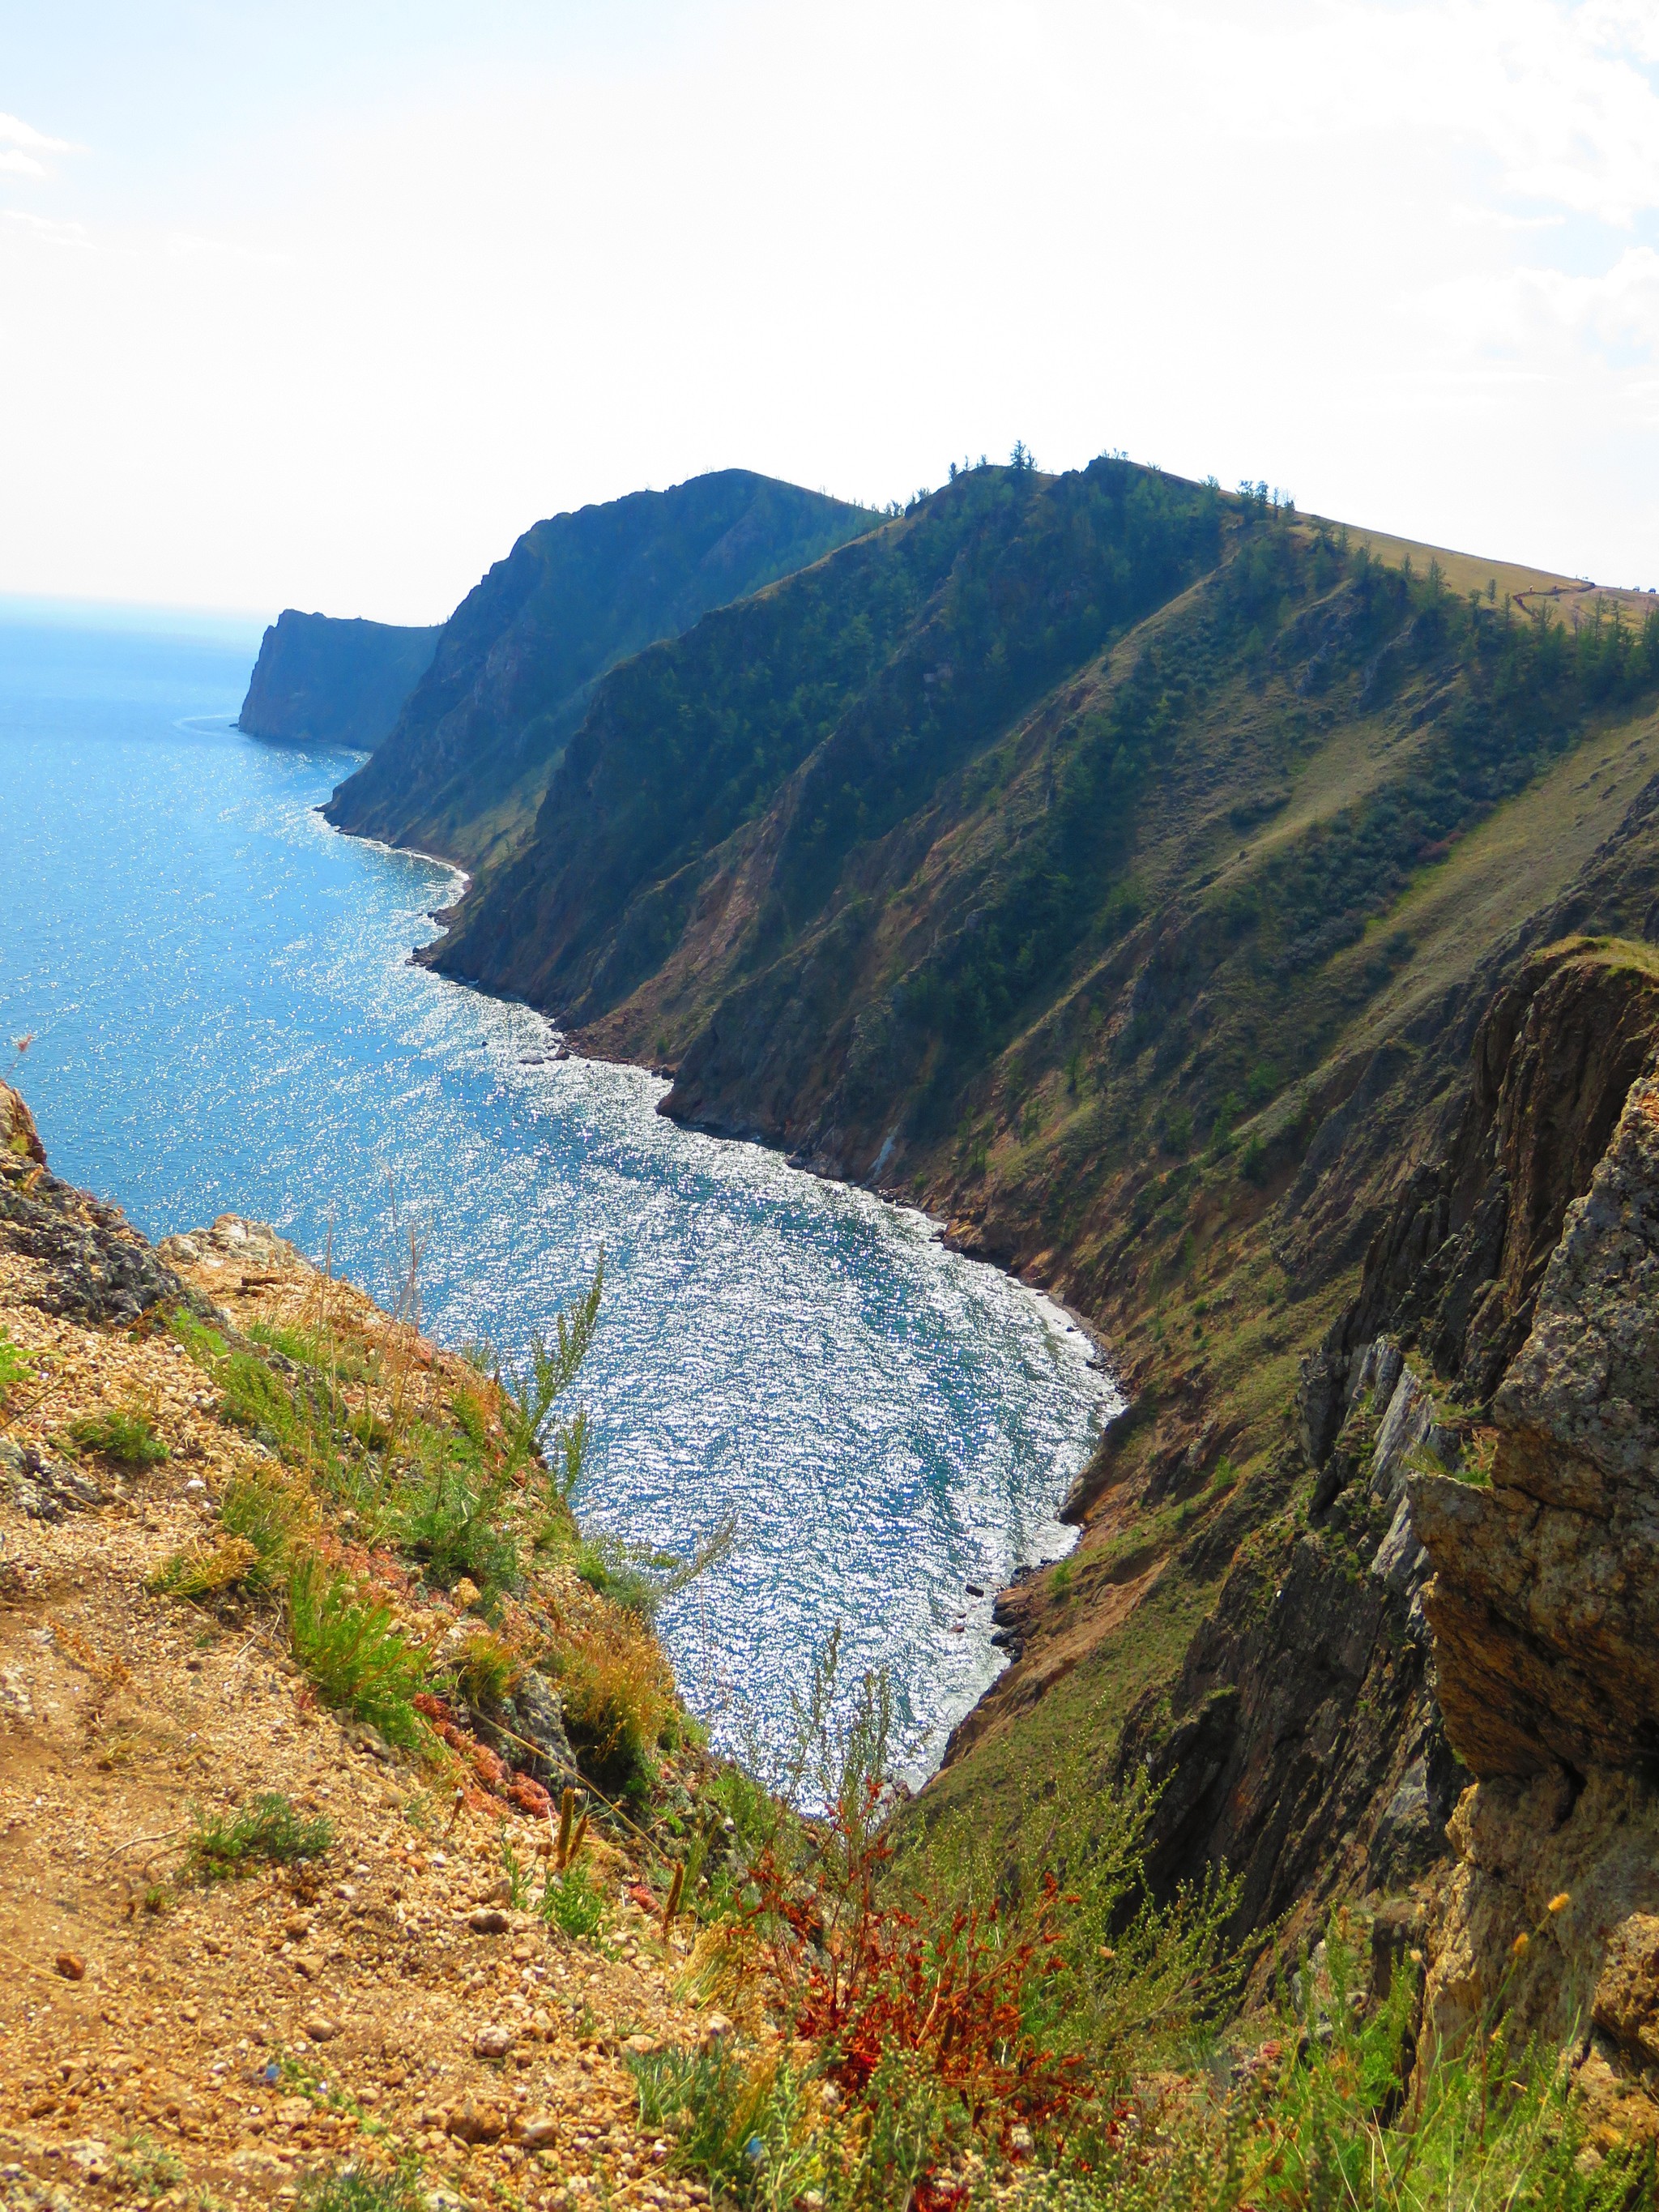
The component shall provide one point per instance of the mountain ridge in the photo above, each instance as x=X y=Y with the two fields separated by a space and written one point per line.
x=464 y=771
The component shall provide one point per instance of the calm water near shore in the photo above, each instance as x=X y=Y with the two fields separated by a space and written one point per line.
x=225 y=1020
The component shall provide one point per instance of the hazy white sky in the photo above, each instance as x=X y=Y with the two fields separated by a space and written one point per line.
x=322 y=302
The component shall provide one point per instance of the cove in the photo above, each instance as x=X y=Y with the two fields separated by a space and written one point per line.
x=225 y=1018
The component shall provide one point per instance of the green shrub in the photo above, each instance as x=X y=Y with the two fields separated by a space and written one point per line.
x=14 y=1367
x=453 y=1519
x=262 y=1510
x=350 y=2189
x=353 y=1650
x=225 y=1844
x=144 y=2168
x=127 y=1434
x=572 y=1901
x=205 y=1345
x=204 y=1570
x=254 y=1399
x=303 y=1349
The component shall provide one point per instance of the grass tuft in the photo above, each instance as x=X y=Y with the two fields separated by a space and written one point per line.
x=204 y=1570
x=223 y=1845
x=350 y=1644
x=15 y=1368
x=128 y=1434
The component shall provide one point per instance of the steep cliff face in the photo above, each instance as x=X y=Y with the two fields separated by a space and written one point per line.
x=465 y=769
x=323 y=681
x=1298 y=1737
x=1545 y=1611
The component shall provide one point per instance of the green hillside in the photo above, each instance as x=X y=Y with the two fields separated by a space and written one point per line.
x=464 y=771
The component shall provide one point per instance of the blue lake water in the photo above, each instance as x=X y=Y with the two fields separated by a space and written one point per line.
x=225 y=1019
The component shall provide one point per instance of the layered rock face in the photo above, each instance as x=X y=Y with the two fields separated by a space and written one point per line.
x=1545 y=1612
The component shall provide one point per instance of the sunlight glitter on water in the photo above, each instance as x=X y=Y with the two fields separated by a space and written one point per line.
x=228 y=1022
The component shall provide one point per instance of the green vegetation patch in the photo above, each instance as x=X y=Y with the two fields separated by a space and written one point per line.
x=266 y=1832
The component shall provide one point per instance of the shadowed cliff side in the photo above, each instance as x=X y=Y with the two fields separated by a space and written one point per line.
x=323 y=681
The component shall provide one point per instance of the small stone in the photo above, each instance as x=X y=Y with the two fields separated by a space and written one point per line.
x=475 y=2123
x=641 y=2045
x=716 y=2026
x=292 y=2108
x=491 y=2043
x=320 y=2028
x=296 y=1928
x=539 y=2133
x=488 y=1920
x=71 y=1967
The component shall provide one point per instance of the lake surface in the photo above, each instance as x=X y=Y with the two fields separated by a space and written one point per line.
x=225 y=1019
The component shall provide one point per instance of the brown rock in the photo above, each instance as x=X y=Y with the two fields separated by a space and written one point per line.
x=1545 y=1604
x=475 y=2123
x=71 y=1967
x=320 y=2028
x=541 y=2132
x=488 y=1920
x=493 y=2042
x=1626 y=2005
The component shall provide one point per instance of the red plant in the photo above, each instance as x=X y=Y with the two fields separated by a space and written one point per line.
x=866 y=1978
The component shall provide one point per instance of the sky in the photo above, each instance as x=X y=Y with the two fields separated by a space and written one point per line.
x=321 y=303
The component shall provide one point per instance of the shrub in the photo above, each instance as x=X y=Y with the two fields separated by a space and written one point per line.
x=127 y=1434
x=453 y=1520
x=350 y=2189
x=205 y=1345
x=268 y=1829
x=304 y=1349
x=572 y=1901
x=266 y=1511
x=350 y=1644
x=14 y=1367
x=487 y=1668
x=145 y=2168
x=253 y=1398
x=618 y=1697
x=203 y=1569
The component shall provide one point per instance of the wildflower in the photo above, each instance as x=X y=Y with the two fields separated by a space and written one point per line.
x=1560 y=1901
x=1416 y=1958
x=1520 y=1944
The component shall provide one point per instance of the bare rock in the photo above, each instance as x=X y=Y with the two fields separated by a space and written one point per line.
x=492 y=2042
x=473 y=2122
x=1626 y=2004
x=1545 y=1601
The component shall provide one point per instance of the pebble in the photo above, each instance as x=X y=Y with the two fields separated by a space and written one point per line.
x=70 y=1965
x=488 y=1920
x=320 y=2028
x=492 y=2042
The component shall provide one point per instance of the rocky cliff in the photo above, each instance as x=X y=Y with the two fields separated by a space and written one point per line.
x=1196 y=912
x=320 y=680
x=464 y=770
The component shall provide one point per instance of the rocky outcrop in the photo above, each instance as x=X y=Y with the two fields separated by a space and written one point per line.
x=90 y=1262
x=320 y=680
x=1545 y=1604
x=1300 y=1744
x=1457 y=1265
